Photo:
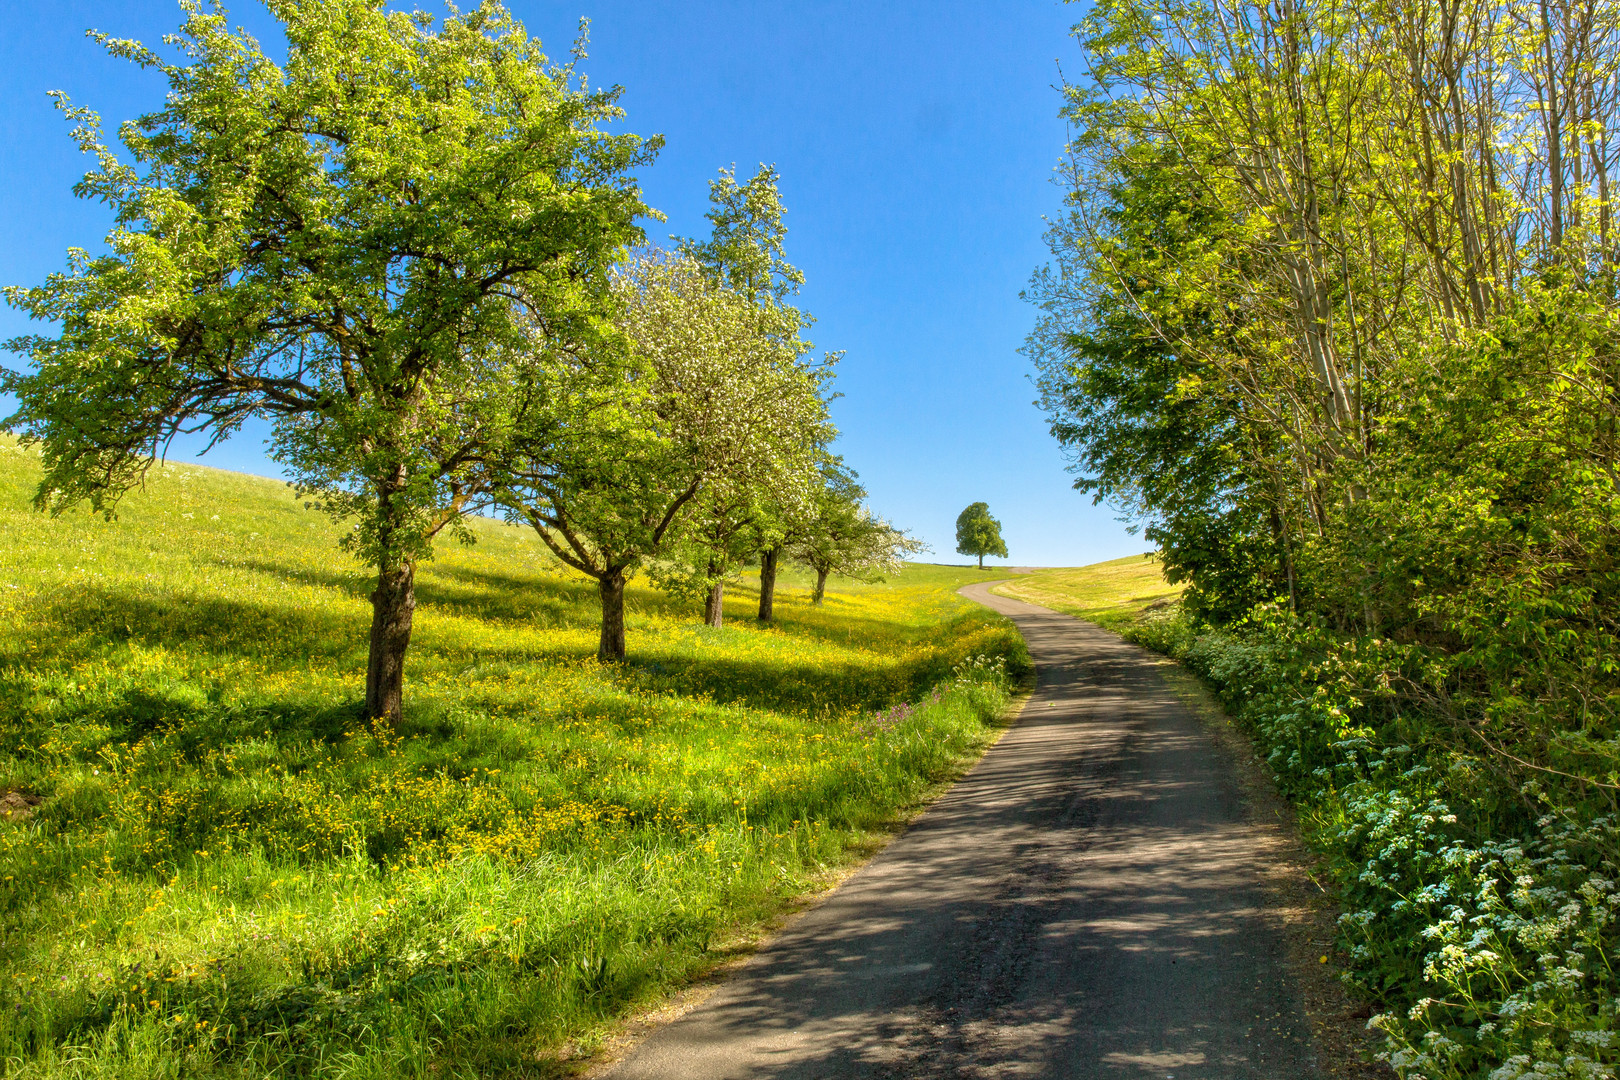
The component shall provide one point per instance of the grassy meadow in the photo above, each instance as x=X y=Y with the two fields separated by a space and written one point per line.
x=1116 y=595
x=211 y=866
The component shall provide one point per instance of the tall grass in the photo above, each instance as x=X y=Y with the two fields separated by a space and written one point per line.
x=232 y=874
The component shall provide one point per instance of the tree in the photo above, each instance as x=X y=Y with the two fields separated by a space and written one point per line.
x=841 y=536
x=358 y=243
x=720 y=538
x=745 y=246
x=745 y=252
x=977 y=533
x=779 y=524
x=694 y=408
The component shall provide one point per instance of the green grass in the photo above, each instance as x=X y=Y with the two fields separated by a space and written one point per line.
x=232 y=874
x=1115 y=595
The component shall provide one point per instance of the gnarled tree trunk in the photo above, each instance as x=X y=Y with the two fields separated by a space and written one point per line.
x=821 y=586
x=611 y=587
x=712 y=604
x=392 y=605
x=767 y=584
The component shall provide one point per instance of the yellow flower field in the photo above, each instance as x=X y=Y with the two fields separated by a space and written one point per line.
x=229 y=873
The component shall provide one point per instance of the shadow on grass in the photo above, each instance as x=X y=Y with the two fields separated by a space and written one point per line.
x=208 y=624
x=283 y=636
x=795 y=688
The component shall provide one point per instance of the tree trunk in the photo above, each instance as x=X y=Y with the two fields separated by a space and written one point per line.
x=392 y=604
x=712 y=613
x=821 y=587
x=611 y=588
x=981 y=560
x=767 y=584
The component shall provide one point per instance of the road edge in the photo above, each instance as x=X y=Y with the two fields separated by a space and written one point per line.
x=1297 y=907
x=613 y=1043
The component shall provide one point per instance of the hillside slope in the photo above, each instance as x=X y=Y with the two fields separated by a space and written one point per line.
x=217 y=868
x=1113 y=594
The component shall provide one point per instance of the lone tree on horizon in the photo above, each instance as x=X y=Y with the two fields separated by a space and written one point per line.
x=977 y=533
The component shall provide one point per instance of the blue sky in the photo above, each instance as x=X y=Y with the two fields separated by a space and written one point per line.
x=915 y=141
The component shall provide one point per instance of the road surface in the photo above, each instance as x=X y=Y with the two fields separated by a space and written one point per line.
x=1083 y=904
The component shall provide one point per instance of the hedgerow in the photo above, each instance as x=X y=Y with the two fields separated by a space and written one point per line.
x=1480 y=897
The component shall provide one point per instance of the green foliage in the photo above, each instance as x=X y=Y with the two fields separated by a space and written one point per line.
x=707 y=417
x=977 y=533
x=733 y=522
x=745 y=248
x=1334 y=313
x=840 y=535
x=232 y=873
x=344 y=263
x=380 y=244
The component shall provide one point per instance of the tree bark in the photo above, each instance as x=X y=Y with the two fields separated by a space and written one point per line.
x=611 y=588
x=712 y=604
x=392 y=605
x=981 y=560
x=767 y=584
x=821 y=587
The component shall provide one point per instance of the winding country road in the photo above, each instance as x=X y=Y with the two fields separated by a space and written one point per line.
x=1083 y=904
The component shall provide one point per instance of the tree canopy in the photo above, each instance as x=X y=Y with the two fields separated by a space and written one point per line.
x=841 y=535
x=708 y=410
x=377 y=244
x=979 y=534
x=1334 y=312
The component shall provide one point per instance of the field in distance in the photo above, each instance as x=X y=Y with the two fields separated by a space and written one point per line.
x=1112 y=594
x=213 y=867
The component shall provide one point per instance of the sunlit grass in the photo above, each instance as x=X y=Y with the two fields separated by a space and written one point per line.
x=1112 y=594
x=232 y=874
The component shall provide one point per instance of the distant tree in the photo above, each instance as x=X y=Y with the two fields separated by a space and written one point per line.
x=977 y=533
x=360 y=244
x=841 y=536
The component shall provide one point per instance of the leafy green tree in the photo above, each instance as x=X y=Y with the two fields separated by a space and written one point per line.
x=745 y=253
x=719 y=540
x=841 y=536
x=696 y=408
x=361 y=243
x=977 y=533
x=1152 y=429
x=745 y=246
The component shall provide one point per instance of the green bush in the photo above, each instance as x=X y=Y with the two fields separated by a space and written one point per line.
x=1480 y=907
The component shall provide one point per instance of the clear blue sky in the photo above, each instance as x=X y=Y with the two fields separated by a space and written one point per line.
x=916 y=142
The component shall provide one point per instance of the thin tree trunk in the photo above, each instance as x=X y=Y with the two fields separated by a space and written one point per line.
x=767 y=584
x=392 y=605
x=821 y=587
x=981 y=560
x=1280 y=531
x=712 y=604
x=611 y=588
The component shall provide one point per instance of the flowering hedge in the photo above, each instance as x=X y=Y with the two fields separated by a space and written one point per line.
x=1479 y=896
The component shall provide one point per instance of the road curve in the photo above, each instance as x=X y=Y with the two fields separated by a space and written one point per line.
x=1083 y=904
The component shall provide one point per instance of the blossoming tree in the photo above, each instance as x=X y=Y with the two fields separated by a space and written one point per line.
x=697 y=408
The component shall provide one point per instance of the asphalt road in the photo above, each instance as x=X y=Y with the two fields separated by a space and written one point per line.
x=1083 y=904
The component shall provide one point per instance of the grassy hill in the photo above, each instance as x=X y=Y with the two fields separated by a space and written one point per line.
x=1112 y=594
x=213 y=867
